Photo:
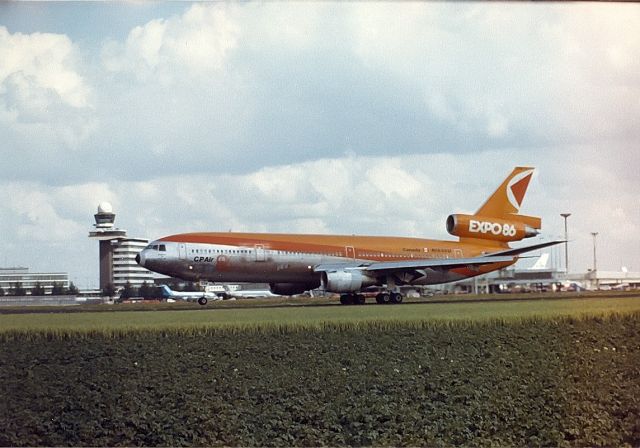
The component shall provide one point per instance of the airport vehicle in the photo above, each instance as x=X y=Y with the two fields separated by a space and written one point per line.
x=201 y=297
x=343 y=264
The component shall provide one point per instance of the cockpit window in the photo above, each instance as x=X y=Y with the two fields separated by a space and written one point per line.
x=155 y=247
x=163 y=248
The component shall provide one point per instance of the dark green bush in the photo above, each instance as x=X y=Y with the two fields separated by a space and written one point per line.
x=534 y=383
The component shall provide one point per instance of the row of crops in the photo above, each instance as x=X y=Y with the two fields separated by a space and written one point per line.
x=567 y=381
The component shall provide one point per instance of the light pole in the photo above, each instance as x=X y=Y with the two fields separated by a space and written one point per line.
x=595 y=273
x=566 y=243
x=594 y=234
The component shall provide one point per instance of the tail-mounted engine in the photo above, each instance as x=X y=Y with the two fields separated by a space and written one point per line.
x=474 y=226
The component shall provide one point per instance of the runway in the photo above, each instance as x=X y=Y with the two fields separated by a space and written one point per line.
x=298 y=302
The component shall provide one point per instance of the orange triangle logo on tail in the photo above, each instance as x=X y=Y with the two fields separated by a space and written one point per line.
x=518 y=189
x=507 y=199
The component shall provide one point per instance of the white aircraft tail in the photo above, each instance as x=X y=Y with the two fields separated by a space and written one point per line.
x=542 y=262
x=166 y=291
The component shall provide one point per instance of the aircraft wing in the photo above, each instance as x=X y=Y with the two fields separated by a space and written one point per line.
x=342 y=265
x=437 y=263
x=503 y=256
x=521 y=250
x=412 y=265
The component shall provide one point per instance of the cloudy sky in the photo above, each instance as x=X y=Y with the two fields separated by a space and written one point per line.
x=369 y=118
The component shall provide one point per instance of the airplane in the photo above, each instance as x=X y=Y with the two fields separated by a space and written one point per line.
x=250 y=293
x=347 y=265
x=201 y=297
x=541 y=263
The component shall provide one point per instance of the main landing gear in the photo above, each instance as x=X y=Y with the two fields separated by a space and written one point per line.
x=382 y=298
x=389 y=297
x=202 y=300
x=352 y=299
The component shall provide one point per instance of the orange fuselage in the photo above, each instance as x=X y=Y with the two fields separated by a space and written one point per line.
x=261 y=257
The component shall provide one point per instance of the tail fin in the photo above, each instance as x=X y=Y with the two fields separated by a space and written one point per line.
x=166 y=291
x=542 y=262
x=497 y=222
x=506 y=200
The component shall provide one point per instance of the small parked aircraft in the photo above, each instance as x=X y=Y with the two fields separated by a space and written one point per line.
x=201 y=297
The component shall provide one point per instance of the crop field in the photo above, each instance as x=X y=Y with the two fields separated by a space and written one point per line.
x=552 y=373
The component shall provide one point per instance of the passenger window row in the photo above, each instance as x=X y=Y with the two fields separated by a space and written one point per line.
x=284 y=252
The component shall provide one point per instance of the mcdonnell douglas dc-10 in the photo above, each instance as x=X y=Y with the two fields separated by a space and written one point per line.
x=347 y=265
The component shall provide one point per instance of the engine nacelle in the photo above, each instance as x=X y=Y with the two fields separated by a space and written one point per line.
x=474 y=226
x=346 y=281
x=290 y=289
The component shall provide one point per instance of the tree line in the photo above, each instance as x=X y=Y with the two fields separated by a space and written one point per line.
x=146 y=290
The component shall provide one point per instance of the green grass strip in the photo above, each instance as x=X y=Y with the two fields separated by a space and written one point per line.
x=306 y=317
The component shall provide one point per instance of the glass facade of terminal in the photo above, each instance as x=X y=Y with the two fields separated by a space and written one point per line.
x=10 y=276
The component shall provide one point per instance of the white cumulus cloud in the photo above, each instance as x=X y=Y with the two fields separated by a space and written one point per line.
x=196 y=43
x=43 y=66
x=559 y=73
x=45 y=101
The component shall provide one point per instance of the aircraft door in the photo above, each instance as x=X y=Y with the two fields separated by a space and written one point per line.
x=182 y=251
x=350 y=252
x=259 y=252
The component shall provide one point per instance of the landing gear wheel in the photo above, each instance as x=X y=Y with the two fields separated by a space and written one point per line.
x=202 y=301
x=359 y=299
x=396 y=297
x=346 y=299
x=380 y=298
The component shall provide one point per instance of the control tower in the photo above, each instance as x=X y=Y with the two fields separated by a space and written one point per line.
x=106 y=233
x=118 y=252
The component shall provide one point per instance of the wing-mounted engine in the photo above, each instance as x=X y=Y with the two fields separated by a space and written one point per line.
x=504 y=230
x=350 y=280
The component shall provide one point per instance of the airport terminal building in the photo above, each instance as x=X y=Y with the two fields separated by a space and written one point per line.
x=9 y=277
x=117 y=252
x=545 y=280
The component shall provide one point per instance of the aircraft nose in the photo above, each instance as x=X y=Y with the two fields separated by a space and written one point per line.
x=140 y=259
